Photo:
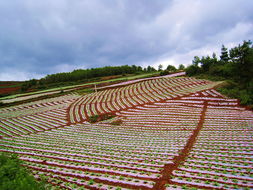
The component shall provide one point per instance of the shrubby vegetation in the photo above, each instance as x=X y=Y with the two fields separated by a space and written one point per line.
x=13 y=176
x=97 y=118
x=234 y=65
x=171 y=69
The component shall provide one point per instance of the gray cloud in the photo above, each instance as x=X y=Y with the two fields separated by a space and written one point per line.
x=42 y=37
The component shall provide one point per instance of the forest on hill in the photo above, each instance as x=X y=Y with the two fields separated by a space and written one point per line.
x=83 y=75
x=234 y=65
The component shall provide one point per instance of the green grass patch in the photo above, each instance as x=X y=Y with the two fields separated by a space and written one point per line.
x=16 y=177
x=97 y=118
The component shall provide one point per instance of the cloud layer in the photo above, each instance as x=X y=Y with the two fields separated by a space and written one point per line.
x=43 y=37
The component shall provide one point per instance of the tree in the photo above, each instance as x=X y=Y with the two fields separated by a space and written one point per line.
x=181 y=67
x=206 y=63
x=165 y=72
x=214 y=57
x=236 y=67
x=139 y=69
x=89 y=74
x=224 y=55
x=149 y=68
x=160 y=67
x=171 y=68
x=28 y=84
x=196 y=60
x=192 y=70
x=134 y=68
x=242 y=57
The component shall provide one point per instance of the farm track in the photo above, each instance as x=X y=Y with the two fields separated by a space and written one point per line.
x=169 y=128
x=177 y=160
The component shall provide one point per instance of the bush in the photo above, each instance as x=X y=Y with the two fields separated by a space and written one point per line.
x=245 y=97
x=209 y=77
x=14 y=176
x=232 y=89
x=192 y=70
x=96 y=118
x=93 y=118
x=165 y=72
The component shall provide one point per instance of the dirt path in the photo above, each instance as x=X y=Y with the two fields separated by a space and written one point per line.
x=169 y=168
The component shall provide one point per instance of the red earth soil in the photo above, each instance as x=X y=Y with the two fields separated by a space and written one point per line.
x=168 y=168
x=6 y=84
x=9 y=90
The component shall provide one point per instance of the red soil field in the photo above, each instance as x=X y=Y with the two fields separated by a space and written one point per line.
x=167 y=134
x=9 y=90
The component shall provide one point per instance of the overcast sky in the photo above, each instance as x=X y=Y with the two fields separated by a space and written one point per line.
x=44 y=37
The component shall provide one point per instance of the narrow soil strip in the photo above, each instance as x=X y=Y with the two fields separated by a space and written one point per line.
x=169 y=168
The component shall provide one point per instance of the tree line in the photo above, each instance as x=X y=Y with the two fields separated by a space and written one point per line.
x=234 y=65
x=84 y=75
x=88 y=75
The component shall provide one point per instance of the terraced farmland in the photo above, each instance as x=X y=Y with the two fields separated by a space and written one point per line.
x=168 y=133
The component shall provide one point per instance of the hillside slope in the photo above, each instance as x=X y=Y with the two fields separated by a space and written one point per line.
x=167 y=133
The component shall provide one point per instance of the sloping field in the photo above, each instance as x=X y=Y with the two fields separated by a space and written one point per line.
x=36 y=116
x=141 y=93
x=168 y=133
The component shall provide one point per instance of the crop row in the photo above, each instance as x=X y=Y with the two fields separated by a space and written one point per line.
x=37 y=107
x=141 y=93
x=221 y=157
x=151 y=131
x=124 y=155
x=35 y=117
x=17 y=126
